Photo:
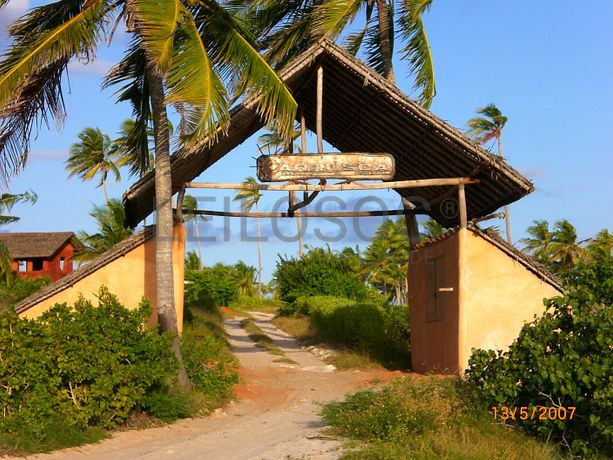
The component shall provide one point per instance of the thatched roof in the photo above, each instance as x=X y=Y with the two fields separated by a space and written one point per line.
x=362 y=112
x=30 y=245
x=493 y=238
x=117 y=251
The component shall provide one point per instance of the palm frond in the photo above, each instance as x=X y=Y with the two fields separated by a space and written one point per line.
x=354 y=41
x=417 y=48
x=193 y=81
x=245 y=68
x=158 y=23
x=332 y=16
x=133 y=144
x=78 y=35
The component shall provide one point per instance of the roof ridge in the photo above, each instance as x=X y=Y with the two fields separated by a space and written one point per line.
x=118 y=250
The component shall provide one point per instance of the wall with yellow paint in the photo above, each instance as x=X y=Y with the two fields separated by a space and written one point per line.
x=498 y=295
x=130 y=277
x=486 y=296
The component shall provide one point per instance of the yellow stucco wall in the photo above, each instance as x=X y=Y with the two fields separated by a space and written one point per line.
x=493 y=296
x=130 y=277
x=498 y=295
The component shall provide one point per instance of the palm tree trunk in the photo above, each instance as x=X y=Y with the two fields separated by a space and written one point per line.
x=167 y=315
x=384 y=40
x=507 y=217
x=259 y=253
x=299 y=228
x=106 y=193
x=198 y=243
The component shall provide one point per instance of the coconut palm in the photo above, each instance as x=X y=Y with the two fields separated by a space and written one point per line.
x=93 y=156
x=179 y=54
x=192 y=261
x=190 y=204
x=289 y=27
x=537 y=244
x=564 y=249
x=248 y=199
x=432 y=229
x=484 y=129
x=110 y=220
x=7 y=201
x=601 y=246
x=245 y=275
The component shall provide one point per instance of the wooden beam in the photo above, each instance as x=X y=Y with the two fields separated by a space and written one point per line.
x=180 y=198
x=268 y=215
x=462 y=200
x=303 y=140
x=319 y=115
x=411 y=221
x=456 y=181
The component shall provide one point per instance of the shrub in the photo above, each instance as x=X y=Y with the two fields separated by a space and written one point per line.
x=87 y=365
x=212 y=287
x=208 y=359
x=561 y=359
x=20 y=288
x=319 y=272
x=378 y=329
x=257 y=303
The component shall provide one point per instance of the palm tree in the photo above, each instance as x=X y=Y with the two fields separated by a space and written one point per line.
x=132 y=150
x=489 y=127
x=93 y=156
x=179 y=54
x=565 y=251
x=110 y=220
x=192 y=261
x=537 y=244
x=7 y=201
x=432 y=229
x=250 y=198
x=289 y=27
x=191 y=204
x=274 y=141
x=601 y=246
x=245 y=275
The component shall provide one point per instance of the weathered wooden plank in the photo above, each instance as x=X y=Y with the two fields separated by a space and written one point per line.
x=337 y=187
x=267 y=215
x=349 y=166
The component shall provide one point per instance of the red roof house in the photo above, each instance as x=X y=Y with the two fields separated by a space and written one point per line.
x=37 y=254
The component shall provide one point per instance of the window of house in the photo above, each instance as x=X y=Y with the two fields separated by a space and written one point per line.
x=22 y=266
x=62 y=263
x=37 y=264
x=438 y=290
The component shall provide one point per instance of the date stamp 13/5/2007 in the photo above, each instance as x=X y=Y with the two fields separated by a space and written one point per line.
x=542 y=413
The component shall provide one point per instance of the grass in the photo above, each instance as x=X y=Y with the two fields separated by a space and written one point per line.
x=308 y=333
x=55 y=434
x=247 y=303
x=426 y=418
x=263 y=341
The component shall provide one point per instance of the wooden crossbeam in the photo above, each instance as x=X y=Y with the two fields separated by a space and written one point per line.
x=447 y=181
x=268 y=215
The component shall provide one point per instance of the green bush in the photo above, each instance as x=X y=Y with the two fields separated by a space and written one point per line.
x=212 y=287
x=562 y=359
x=208 y=358
x=319 y=272
x=87 y=365
x=20 y=288
x=379 y=329
x=257 y=303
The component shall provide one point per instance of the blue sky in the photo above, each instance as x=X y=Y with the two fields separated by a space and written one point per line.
x=546 y=64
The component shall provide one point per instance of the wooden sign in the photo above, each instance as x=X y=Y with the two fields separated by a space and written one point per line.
x=349 y=166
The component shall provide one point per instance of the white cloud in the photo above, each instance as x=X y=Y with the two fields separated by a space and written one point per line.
x=48 y=154
x=11 y=11
x=99 y=67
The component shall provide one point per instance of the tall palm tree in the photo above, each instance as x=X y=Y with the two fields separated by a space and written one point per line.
x=110 y=220
x=245 y=275
x=565 y=250
x=191 y=204
x=180 y=52
x=537 y=244
x=432 y=229
x=248 y=199
x=289 y=27
x=93 y=156
x=601 y=246
x=485 y=128
x=7 y=201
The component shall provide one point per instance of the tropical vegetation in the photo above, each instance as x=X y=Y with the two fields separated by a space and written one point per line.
x=7 y=201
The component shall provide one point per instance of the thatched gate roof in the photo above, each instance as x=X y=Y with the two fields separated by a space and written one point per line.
x=362 y=112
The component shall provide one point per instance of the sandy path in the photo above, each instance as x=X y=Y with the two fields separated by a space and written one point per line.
x=275 y=415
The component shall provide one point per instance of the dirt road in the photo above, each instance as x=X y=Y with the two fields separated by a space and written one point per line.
x=275 y=415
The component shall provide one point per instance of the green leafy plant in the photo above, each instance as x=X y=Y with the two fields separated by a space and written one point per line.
x=319 y=272
x=88 y=365
x=561 y=359
x=20 y=288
